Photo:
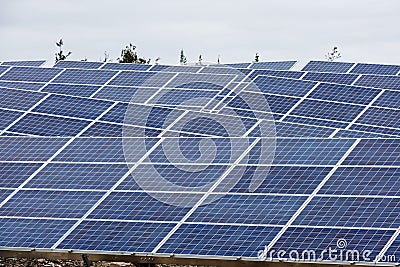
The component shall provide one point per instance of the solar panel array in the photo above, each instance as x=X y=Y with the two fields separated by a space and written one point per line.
x=220 y=162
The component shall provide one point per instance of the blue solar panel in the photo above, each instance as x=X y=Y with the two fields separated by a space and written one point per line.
x=381 y=117
x=249 y=209
x=28 y=74
x=7 y=117
x=73 y=107
x=18 y=99
x=280 y=65
x=137 y=206
x=283 y=86
x=70 y=89
x=390 y=99
x=122 y=236
x=35 y=233
x=375 y=129
x=299 y=130
x=281 y=180
x=43 y=125
x=277 y=73
x=385 y=82
x=343 y=93
x=316 y=122
x=14 y=174
x=327 y=66
x=123 y=94
x=327 y=110
x=29 y=149
x=135 y=78
x=363 y=181
x=331 y=77
x=375 y=152
x=351 y=212
x=125 y=66
x=363 y=68
x=22 y=85
x=166 y=68
x=93 y=150
x=30 y=63
x=78 y=64
x=3 y=69
x=76 y=76
x=47 y=203
x=221 y=240
x=75 y=176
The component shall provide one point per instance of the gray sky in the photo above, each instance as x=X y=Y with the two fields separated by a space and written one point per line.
x=364 y=30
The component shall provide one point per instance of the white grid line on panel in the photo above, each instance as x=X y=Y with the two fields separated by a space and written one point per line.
x=7 y=70
x=160 y=89
x=354 y=82
x=52 y=157
x=204 y=197
x=204 y=108
x=387 y=246
x=252 y=128
x=351 y=68
x=105 y=84
x=117 y=183
x=66 y=234
x=360 y=114
x=299 y=102
x=314 y=193
x=51 y=80
x=25 y=113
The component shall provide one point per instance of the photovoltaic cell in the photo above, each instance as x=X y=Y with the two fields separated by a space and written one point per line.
x=280 y=65
x=221 y=240
x=28 y=74
x=76 y=176
x=7 y=117
x=326 y=66
x=126 y=66
x=135 y=78
x=381 y=117
x=390 y=99
x=375 y=152
x=343 y=93
x=363 y=181
x=76 y=76
x=31 y=63
x=34 y=233
x=71 y=89
x=166 y=68
x=18 y=99
x=47 y=203
x=327 y=110
x=338 y=78
x=13 y=175
x=385 y=82
x=363 y=68
x=282 y=86
x=73 y=107
x=29 y=149
x=351 y=212
x=22 y=85
x=78 y=64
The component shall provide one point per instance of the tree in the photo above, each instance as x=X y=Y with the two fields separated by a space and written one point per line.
x=256 y=58
x=60 y=55
x=200 y=59
x=335 y=54
x=129 y=55
x=183 y=59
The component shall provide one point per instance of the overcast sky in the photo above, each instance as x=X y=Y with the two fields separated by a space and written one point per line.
x=364 y=30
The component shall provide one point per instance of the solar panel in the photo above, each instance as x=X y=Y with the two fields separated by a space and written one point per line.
x=362 y=68
x=78 y=64
x=279 y=65
x=326 y=66
x=24 y=63
x=209 y=166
